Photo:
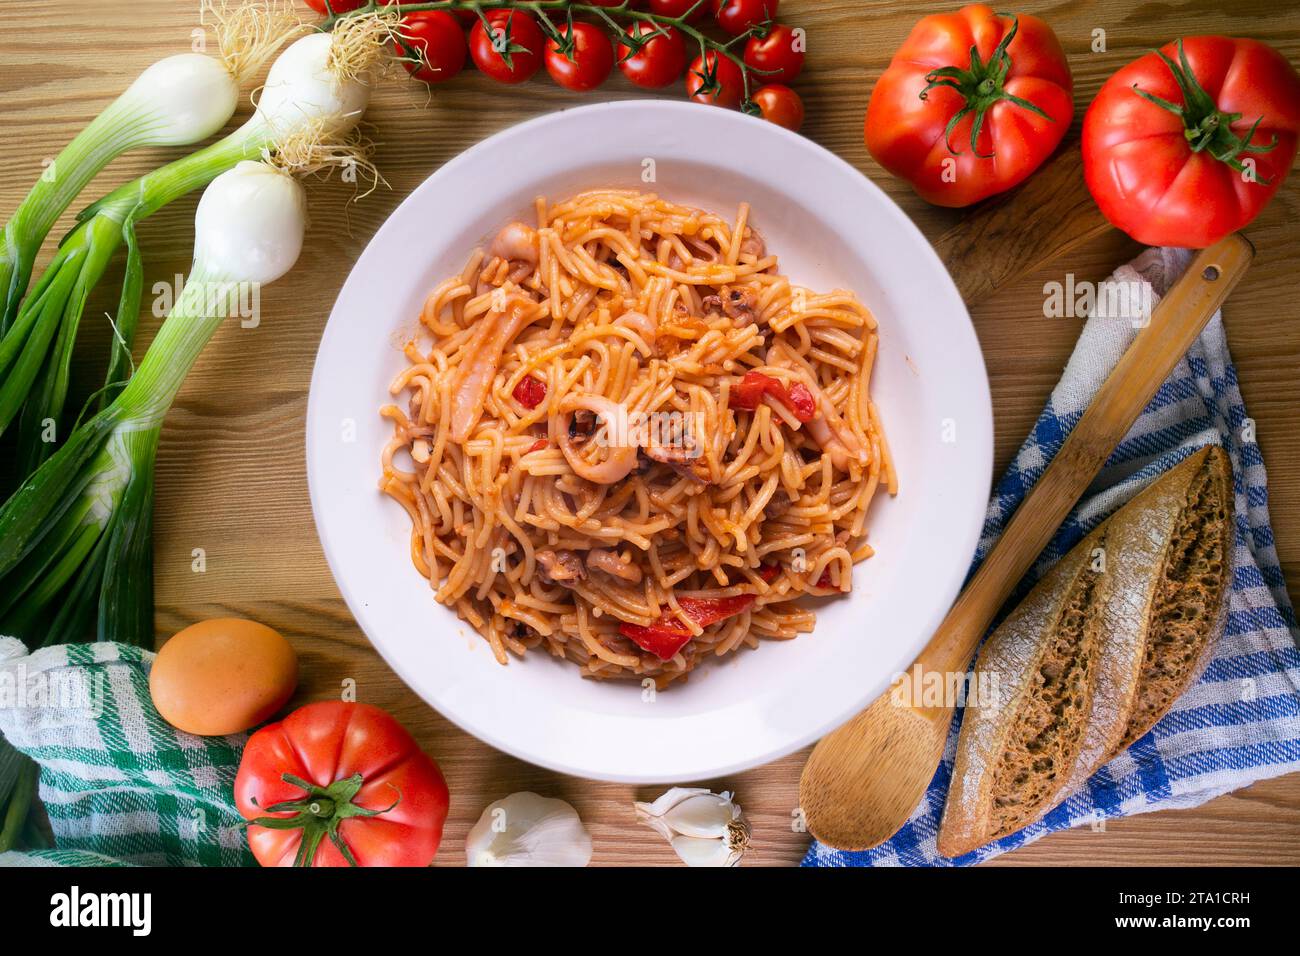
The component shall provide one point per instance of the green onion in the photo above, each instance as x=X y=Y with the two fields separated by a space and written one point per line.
x=303 y=95
x=75 y=537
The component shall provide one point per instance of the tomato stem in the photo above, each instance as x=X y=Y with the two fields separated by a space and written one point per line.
x=981 y=85
x=540 y=7
x=1206 y=127
x=318 y=814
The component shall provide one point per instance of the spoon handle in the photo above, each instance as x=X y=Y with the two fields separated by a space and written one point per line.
x=1174 y=326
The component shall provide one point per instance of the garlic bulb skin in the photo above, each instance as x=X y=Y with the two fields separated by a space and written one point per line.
x=704 y=828
x=525 y=829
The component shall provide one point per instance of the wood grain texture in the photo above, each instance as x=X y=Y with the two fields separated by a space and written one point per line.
x=1033 y=226
x=231 y=477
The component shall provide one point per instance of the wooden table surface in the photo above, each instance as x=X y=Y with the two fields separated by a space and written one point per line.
x=231 y=478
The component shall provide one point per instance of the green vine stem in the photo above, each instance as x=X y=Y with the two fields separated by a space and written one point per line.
x=608 y=14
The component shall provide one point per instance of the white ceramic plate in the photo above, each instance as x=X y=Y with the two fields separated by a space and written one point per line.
x=831 y=227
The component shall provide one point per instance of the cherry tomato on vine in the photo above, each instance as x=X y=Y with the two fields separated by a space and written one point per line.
x=678 y=8
x=660 y=60
x=715 y=79
x=432 y=45
x=777 y=57
x=737 y=16
x=340 y=6
x=581 y=59
x=780 y=105
x=512 y=51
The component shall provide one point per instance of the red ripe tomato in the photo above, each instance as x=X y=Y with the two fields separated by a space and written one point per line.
x=583 y=61
x=737 y=16
x=1184 y=146
x=513 y=49
x=660 y=60
x=780 y=105
x=678 y=8
x=432 y=45
x=355 y=784
x=715 y=79
x=340 y=6
x=777 y=57
x=960 y=129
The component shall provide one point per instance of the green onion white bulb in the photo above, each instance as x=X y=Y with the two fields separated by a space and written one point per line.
x=179 y=100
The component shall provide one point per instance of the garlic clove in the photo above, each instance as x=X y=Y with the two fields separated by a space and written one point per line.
x=657 y=824
x=704 y=828
x=704 y=815
x=668 y=800
x=694 y=851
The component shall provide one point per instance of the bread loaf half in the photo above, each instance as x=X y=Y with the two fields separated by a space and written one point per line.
x=1096 y=653
x=1038 y=674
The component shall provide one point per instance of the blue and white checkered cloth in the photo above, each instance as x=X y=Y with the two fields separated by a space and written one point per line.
x=1241 y=721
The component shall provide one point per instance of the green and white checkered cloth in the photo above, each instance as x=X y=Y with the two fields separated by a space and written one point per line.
x=118 y=782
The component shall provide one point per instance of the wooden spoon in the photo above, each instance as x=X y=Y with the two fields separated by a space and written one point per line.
x=864 y=780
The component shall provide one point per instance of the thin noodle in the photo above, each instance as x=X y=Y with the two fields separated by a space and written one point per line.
x=657 y=311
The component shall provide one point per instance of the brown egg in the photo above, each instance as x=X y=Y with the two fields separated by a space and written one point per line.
x=222 y=676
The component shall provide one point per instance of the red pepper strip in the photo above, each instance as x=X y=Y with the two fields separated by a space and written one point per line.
x=751 y=389
x=662 y=643
x=537 y=446
x=668 y=635
x=801 y=402
x=530 y=392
